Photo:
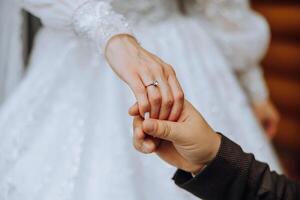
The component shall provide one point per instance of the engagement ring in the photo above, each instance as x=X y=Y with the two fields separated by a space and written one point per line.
x=154 y=83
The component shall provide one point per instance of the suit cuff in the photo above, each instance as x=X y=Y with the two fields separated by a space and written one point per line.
x=216 y=179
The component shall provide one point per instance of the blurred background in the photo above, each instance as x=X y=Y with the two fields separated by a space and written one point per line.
x=282 y=70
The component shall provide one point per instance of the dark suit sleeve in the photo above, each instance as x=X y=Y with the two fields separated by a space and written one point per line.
x=235 y=175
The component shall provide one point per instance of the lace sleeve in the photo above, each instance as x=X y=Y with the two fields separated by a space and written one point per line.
x=243 y=36
x=95 y=20
x=98 y=21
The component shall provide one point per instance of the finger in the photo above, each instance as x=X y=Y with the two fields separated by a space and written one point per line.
x=140 y=93
x=138 y=140
x=155 y=99
x=137 y=122
x=166 y=130
x=138 y=133
x=167 y=99
x=134 y=110
x=144 y=143
x=141 y=142
x=153 y=92
x=165 y=91
x=149 y=145
x=178 y=97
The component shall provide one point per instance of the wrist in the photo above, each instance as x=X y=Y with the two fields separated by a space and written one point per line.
x=197 y=170
x=214 y=147
x=120 y=48
x=119 y=42
x=212 y=151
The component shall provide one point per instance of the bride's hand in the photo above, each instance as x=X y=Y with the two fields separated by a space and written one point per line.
x=268 y=116
x=139 y=68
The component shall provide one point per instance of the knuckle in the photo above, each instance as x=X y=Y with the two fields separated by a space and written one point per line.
x=156 y=99
x=168 y=102
x=145 y=106
x=165 y=131
x=179 y=96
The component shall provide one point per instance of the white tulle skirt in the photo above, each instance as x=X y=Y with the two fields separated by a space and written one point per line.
x=65 y=132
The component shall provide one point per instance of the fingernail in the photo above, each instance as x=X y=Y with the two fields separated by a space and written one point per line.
x=147 y=115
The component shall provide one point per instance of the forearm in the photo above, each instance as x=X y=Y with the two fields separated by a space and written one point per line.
x=237 y=175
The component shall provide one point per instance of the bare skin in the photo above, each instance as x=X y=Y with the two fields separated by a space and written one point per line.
x=268 y=117
x=188 y=144
x=139 y=68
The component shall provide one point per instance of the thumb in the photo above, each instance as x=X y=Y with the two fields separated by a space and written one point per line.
x=166 y=130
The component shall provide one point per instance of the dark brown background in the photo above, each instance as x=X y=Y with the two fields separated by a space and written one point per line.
x=282 y=70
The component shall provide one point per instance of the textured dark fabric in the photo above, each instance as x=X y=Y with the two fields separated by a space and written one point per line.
x=235 y=175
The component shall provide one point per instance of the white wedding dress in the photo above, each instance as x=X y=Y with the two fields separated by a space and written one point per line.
x=65 y=132
x=11 y=51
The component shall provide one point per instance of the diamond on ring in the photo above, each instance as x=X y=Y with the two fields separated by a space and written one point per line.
x=154 y=83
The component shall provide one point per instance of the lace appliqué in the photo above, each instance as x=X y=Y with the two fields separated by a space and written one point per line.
x=96 y=20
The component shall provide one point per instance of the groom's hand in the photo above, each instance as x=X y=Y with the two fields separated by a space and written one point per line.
x=188 y=144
